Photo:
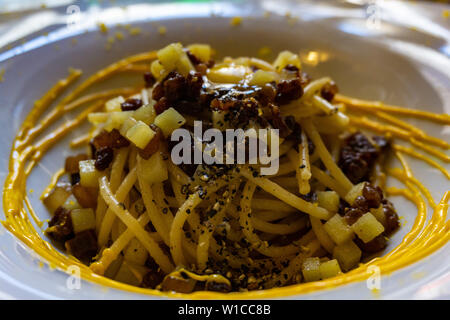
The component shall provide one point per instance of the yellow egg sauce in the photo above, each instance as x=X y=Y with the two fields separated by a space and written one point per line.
x=424 y=238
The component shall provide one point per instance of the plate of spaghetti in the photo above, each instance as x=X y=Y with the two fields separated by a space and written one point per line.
x=113 y=175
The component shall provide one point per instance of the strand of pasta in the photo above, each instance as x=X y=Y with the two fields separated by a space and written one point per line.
x=53 y=181
x=208 y=227
x=278 y=228
x=325 y=156
x=286 y=196
x=109 y=217
x=413 y=130
x=321 y=234
x=373 y=106
x=147 y=241
x=364 y=122
x=249 y=232
x=156 y=216
x=327 y=181
x=41 y=105
x=180 y=218
x=162 y=203
x=411 y=152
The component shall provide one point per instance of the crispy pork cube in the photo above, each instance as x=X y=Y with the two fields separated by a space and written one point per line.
x=338 y=229
x=347 y=254
x=367 y=227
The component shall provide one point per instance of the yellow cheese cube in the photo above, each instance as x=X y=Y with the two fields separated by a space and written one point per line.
x=145 y=114
x=348 y=254
x=82 y=219
x=88 y=174
x=127 y=125
x=379 y=214
x=158 y=70
x=338 y=229
x=310 y=269
x=98 y=117
x=329 y=269
x=184 y=65
x=116 y=119
x=328 y=200
x=201 y=51
x=367 y=227
x=354 y=192
x=261 y=77
x=114 y=104
x=135 y=252
x=169 y=55
x=56 y=198
x=284 y=58
x=169 y=120
x=130 y=273
x=71 y=203
x=154 y=169
x=140 y=134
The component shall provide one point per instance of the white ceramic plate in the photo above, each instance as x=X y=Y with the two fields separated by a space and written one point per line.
x=389 y=61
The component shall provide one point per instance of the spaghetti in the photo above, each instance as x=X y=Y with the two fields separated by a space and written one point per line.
x=130 y=218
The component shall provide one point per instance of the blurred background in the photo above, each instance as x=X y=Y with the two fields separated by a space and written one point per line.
x=25 y=19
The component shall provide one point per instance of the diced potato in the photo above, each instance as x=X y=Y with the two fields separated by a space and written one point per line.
x=261 y=77
x=98 y=117
x=140 y=134
x=354 y=192
x=135 y=252
x=154 y=169
x=228 y=73
x=88 y=174
x=169 y=120
x=328 y=200
x=379 y=214
x=169 y=55
x=71 y=203
x=56 y=198
x=348 y=254
x=201 y=51
x=367 y=227
x=329 y=269
x=114 y=267
x=310 y=269
x=116 y=120
x=338 y=230
x=130 y=273
x=158 y=70
x=145 y=114
x=114 y=104
x=82 y=219
x=284 y=58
